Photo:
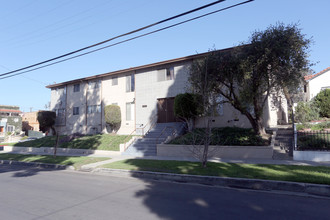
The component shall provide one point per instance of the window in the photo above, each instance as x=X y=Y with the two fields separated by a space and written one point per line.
x=165 y=74
x=114 y=80
x=94 y=84
x=60 y=112
x=75 y=110
x=10 y=128
x=129 y=111
x=219 y=105
x=93 y=109
x=61 y=91
x=76 y=88
x=130 y=83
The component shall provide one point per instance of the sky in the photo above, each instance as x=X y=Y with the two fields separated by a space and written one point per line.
x=32 y=31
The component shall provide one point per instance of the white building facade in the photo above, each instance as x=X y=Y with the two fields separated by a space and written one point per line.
x=145 y=95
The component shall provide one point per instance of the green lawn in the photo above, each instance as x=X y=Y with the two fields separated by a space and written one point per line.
x=77 y=162
x=306 y=174
x=232 y=136
x=94 y=142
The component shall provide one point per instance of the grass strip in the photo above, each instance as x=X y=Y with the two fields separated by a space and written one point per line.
x=77 y=162
x=294 y=173
x=108 y=142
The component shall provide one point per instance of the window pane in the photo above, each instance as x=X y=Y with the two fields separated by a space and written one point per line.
x=128 y=111
x=128 y=83
x=161 y=75
x=132 y=83
x=115 y=80
x=170 y=73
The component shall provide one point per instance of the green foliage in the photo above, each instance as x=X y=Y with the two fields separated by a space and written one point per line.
x=46 y=120
x=231 y=136
x=112 y=115
x=322 y=101
x=316 y=141
x=272 y=60
x=187 y=105
x=306 y=111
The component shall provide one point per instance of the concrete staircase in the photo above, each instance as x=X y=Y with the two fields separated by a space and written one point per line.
x=146 y=146
x=283 y=144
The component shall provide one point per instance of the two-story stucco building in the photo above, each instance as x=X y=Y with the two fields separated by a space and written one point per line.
x=145 y=94
x=316 y=83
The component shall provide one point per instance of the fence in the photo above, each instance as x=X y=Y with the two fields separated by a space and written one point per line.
x=312 y=140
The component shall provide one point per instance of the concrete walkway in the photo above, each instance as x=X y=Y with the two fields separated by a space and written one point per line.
x=116 y=156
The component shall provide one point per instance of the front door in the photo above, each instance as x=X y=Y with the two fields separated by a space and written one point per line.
x=165 y=110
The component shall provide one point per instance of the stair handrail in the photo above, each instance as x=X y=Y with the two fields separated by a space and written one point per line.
x=127 y=138
x=151 y=122
x=164 y=129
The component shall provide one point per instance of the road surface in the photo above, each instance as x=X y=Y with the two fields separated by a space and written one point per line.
x=31 y=193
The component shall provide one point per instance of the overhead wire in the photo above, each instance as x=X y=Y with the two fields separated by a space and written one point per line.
x=120 y=42
x=113 y=38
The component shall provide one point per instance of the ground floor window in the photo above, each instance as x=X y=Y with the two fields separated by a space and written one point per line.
x=129 y=111
x=10 y=128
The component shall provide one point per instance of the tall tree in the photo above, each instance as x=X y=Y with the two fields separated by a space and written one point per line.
x=272 y=60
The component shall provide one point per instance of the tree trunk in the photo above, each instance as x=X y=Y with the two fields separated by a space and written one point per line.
x=257 y=124
x=206 y=143
x=56 y=143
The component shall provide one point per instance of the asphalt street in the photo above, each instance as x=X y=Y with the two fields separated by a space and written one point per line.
x=34 y=193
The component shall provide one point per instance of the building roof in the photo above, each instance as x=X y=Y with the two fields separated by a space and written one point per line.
x=186 y=58
x=10 y=110
x=310 y=77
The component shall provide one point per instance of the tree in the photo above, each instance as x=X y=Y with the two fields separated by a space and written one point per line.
x=112 y=117
x=274 y=60
x=322 y=101
x=187 y=107
x=46 y=121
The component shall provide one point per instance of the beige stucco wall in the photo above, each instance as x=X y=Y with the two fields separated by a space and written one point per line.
x=117 y=94
x=148 y=90
x=316 y=84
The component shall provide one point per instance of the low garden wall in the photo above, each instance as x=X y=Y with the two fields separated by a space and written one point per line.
x=224 y=152
x=317 y=156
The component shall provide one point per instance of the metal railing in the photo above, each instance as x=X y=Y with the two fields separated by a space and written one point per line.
x=312 y=140
x=151 y=122
x=173 y=131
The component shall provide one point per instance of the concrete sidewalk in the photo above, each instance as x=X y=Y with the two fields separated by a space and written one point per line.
x=116 y=156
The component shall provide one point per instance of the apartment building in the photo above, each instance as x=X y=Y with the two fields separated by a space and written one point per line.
x=145 y=94
x=10 y=119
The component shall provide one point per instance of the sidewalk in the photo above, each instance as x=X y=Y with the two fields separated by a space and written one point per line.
x=116 y=156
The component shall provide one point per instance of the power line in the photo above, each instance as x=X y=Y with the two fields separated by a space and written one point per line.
x=130 y=39
x=113 y=38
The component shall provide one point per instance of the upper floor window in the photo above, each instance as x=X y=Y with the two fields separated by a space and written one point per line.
x=130 y=83
x=94 y=84
x=76 y=87
x=165 y=74
x=114 y=80
x=75 y=110
x=93 y=109
x=61 y=91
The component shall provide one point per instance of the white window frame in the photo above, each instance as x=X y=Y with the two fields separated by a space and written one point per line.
x=130 y=83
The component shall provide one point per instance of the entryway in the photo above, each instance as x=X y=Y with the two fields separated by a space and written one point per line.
x=165 y=110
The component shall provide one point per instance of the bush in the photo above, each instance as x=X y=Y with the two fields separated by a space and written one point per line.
x=306 y=111
x=322 y=101
x=46 y=120
x=112 y=116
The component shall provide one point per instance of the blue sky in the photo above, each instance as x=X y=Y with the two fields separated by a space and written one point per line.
x=35 y=30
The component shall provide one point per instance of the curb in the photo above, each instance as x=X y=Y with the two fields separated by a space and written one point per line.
x=254 y=184
x=37 y=164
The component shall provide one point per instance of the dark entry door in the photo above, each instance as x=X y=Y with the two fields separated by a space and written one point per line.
x=165 y=110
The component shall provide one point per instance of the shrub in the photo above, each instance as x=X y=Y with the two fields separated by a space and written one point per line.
x=306 y=111
x=322 y=101
x=187 y=105
x=46 y=120
x=112 y=116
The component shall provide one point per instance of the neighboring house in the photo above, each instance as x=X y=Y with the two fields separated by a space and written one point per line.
x=316 y=83
x=30 y=122
x=10 y=119
x=145 y=94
